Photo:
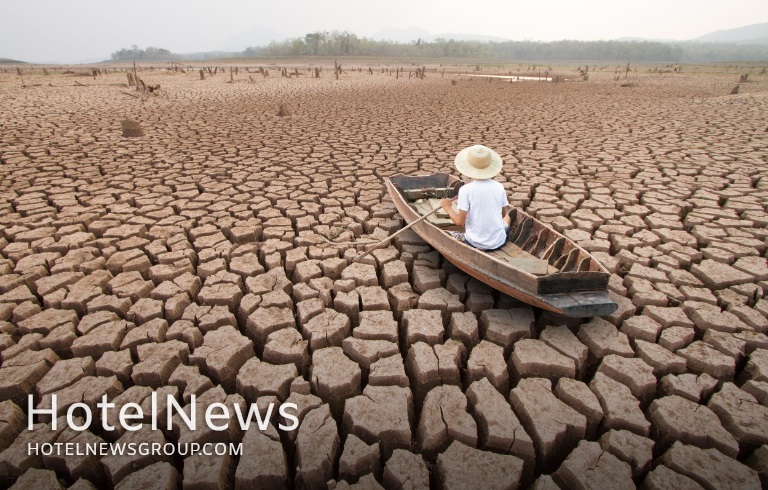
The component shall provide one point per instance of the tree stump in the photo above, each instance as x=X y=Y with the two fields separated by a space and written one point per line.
x=131 y=129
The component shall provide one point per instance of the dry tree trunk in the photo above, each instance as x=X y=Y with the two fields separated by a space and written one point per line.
x=131 y=129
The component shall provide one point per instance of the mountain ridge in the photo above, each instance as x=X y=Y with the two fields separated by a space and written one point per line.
x=750 y=34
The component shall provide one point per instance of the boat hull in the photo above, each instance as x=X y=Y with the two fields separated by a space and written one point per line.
x=515 y=283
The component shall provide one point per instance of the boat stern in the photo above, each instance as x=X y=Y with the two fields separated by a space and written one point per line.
x=582 y=304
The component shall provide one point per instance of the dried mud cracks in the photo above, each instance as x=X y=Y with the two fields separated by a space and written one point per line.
x=189 y=261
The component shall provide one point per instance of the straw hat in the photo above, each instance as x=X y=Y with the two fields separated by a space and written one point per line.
x=478 y=162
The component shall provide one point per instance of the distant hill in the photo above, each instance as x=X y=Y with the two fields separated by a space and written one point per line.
x=404 y=35
x=466 y=37
x=751 y=34
x=648 y=39
x=8 y=61
x=410 y=34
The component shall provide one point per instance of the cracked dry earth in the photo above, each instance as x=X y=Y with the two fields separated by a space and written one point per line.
x=190 y=261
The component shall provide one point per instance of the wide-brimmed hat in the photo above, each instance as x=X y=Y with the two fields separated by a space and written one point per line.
x=478 y=162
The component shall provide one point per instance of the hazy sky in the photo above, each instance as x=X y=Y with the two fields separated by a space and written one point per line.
x=76 y=30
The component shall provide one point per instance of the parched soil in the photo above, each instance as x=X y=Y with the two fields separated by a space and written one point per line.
x=192 y=259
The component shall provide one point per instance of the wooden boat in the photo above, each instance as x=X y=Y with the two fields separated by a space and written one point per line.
x=537 y=265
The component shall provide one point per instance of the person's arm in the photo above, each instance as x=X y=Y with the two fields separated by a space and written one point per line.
x=505 y=207
x=458 y=218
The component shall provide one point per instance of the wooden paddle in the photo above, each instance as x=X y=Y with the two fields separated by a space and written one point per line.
x=396 y=234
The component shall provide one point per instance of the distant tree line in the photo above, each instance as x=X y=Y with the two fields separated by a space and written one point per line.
x=694 y=52
x=134 y=53
x=340 y=44
x=335 y=43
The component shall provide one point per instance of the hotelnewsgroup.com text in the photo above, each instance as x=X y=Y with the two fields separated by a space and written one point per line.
x=134 y=449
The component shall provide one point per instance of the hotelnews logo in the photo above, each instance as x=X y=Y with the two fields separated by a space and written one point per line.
x=131 y=417
x=217 y=415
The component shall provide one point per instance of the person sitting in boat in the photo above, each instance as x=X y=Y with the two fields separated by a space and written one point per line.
x=481 y=203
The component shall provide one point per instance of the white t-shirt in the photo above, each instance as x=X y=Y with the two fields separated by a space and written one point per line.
x=483 y=201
